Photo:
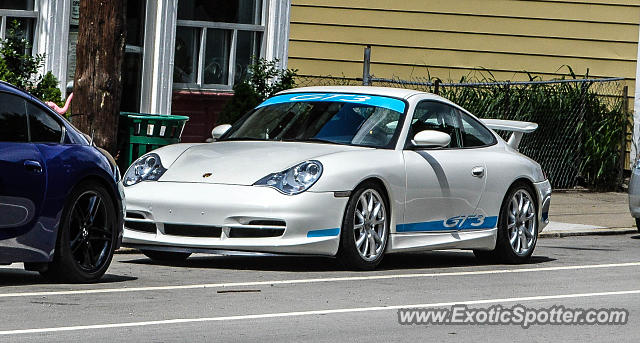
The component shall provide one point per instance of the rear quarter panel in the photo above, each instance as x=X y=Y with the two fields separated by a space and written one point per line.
x=66 y=166
x=504 y=167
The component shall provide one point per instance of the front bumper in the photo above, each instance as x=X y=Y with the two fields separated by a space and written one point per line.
x=309 y=222
x=121 y=214
x=634 y=193
x=543 y=190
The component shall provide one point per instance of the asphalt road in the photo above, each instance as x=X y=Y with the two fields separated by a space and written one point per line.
x=217 y=298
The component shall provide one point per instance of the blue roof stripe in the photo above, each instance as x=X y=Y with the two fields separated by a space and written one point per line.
x=372 y=100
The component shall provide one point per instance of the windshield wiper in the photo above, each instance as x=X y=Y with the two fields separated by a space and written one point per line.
x=310 y=140
x=241 y=139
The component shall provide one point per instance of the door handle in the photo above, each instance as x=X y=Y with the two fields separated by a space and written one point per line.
x=33 y=166
x=477 y=171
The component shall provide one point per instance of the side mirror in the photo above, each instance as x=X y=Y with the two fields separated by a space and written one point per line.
x=219 y=130
x=431 y=139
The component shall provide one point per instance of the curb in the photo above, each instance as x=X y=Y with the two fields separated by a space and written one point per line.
x=587 y=232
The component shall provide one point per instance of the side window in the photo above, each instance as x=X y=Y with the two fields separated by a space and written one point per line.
x=44 y=128
x=13 y=119
x=473 y=133
x=432 y=115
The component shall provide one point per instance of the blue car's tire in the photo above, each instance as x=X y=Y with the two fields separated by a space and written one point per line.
x=87 y=236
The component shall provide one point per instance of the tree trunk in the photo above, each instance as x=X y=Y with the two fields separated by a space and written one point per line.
x=97 y=83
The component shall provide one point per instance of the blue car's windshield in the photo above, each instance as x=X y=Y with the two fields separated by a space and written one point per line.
x=362 y=120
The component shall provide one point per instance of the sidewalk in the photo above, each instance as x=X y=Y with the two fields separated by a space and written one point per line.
x=585 y=213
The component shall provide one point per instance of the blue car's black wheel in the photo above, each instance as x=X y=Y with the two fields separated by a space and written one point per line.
x=86 y=236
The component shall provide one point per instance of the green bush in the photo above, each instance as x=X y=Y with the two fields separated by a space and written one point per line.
x=582 y=125
x=21 y=69
x=263 y=80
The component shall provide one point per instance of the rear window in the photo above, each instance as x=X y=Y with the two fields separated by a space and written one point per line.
x=13 y=118
x=44 y=129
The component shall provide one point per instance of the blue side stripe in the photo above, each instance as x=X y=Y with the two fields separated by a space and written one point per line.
x=323 y=233
x=373 y=100
x=439 y=225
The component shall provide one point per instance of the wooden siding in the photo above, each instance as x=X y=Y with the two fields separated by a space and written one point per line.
x=452 y=38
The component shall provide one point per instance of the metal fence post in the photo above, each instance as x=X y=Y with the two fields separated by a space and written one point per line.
x=437 y=87
x=623 y=143
x=507 y=98
x=366 y=67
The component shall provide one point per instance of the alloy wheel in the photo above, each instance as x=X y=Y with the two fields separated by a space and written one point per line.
x=90 y=236
x=370 y=225
x=521 y=223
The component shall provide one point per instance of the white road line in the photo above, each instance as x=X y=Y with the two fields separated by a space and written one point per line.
x=310 y=313
x=307 y=281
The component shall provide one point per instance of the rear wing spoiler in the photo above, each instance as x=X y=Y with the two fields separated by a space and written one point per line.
x=518 y=129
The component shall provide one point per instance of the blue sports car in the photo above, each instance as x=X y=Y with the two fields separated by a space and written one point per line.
x=61 y=199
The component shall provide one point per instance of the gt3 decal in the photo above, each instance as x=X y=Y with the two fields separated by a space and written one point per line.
x=459 y=221
x=471 y=222
x=373 y=100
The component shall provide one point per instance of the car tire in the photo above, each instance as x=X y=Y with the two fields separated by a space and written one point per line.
x=365 y=228
x=87 y=236
x=517 y=228
x=638 y=224
x=166 y=256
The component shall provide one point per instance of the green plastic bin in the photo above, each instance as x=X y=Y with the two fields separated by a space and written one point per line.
x=144 y=132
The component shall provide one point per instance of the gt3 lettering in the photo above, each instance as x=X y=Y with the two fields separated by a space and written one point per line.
x=473 y=220
x=321 y=97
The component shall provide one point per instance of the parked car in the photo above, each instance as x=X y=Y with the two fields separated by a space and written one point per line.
x=61 y=199
x=352 y=172
x=634 y=193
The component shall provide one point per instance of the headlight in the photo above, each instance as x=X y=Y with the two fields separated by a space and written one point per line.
x=294 y=180
x=146 y=168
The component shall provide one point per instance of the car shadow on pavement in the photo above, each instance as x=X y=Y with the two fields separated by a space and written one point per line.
x=580 y=248
x=635 y=237
x=20 y=277
x=442 y=259
x=424 y=260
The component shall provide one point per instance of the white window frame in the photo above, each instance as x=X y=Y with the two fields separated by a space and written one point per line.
x=4 y=13
x=159 y=49
x=202 y=44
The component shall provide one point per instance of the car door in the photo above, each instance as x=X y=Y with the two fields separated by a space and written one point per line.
x=22 y=172
x=444 y=185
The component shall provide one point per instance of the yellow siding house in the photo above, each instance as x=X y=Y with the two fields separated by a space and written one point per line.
x=451 y=38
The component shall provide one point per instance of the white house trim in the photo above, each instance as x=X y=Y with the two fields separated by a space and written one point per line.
x=277 y=31
x=635 y=139
x=51 y=37
x=157 y=60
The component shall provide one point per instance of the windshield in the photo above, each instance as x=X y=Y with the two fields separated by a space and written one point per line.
x=363 y=120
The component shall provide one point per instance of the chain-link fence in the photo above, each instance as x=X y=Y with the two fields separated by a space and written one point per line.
x=583 y=123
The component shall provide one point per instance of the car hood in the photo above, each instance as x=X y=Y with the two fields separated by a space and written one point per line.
x=242 y=162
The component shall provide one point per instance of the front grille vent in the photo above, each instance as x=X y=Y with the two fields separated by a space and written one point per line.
x=149 y=227
x=192 y=230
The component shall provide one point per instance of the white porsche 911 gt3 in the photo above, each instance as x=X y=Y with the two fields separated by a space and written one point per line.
x=352 y=172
